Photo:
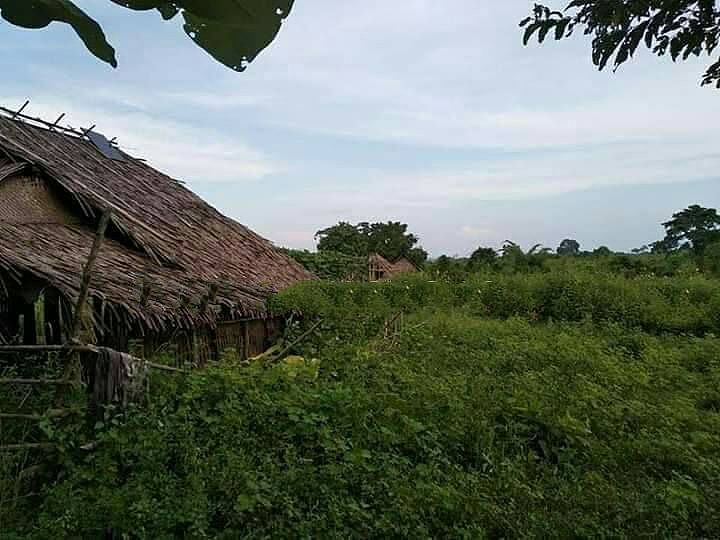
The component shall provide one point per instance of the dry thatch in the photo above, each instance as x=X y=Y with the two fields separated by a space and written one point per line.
x=403 y=266
x=380 y=268
x=170 y=258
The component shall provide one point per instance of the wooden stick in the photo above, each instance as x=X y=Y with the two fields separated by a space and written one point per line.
x=45 y=348
x=52 y=413
x=36 y=381
x=87 y=274
x=27 y=446
x=73 y=349
x=302 y=336
x=20 y=110
x=162 y=367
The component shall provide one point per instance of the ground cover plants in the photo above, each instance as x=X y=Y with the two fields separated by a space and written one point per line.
x=503 y=406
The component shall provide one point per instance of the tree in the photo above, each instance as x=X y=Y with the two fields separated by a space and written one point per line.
x=443 y=264
x=693 y=228
x=602 y=251
x=391 y=240
x=711 y=258
x=514 y=259
x=569 y=247
x=679 y=27
x=234 y=32
x=344 y=238
x=482 y=257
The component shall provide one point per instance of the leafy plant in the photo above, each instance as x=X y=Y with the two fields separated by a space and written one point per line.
x=682 y=28
x=233 y=32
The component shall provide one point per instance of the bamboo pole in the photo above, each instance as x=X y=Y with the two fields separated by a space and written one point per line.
x=72 y=349
x=87 y=274
x=74 y=359
x=27 y=446
x=35 y=381
x=295 y=342
x=52 y=413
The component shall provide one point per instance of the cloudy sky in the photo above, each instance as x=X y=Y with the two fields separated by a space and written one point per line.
x=428 y=112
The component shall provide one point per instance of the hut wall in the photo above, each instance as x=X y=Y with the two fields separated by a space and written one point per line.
x=245 y=338
x=29 y=200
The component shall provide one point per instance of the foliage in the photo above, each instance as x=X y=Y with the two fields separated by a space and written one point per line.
x=344 y=238
x=514 y=259
x=711 y=259
x=682 y=306
x=482 y=257
x=462 y=427
x=679 y=27
x=602 y=251
x=569 y=247
x=233 y=32
x=693 y=228
x=391 y=240
x=331 y=265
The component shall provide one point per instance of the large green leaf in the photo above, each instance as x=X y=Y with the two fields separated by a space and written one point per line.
x=234 y=32
x=40 y=13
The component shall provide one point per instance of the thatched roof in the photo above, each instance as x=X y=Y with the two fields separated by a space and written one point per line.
x=400 y=266
x=379 y=262
x=162 y=235
x=403 y=266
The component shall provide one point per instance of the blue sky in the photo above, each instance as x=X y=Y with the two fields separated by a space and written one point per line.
x=428 y=112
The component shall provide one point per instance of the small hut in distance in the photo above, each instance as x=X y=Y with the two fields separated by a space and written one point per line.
x=380 y=269
x=172 y=269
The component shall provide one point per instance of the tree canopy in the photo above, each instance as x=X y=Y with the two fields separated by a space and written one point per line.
x=569 y=247
x=694 y=228
x=234 y=32
x=682 y=28
x=391 y=240
x=482 y=257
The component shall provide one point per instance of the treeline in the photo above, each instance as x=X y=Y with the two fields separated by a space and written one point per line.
x=691 y=245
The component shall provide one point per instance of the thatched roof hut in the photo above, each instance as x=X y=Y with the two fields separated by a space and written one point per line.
x=379 y=268
x=170 y=259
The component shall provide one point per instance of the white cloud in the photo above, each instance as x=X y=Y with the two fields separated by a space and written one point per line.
x=187 y=152
x=474 y=114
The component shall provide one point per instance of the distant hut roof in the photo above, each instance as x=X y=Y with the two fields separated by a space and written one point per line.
x=403 y=265
x=165 y=235
x=381 y=263
x=378 y=263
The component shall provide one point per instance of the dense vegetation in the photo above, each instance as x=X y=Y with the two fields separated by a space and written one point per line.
x=331 y=265
x=391 y=240
x=562 y=404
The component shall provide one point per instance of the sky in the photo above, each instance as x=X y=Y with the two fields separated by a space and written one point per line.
x=431 y=113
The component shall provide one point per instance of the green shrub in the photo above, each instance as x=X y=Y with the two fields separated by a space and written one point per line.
x=465 y=428
x=657 y=305
x=560 y=404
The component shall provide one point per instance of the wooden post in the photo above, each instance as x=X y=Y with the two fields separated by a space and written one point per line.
x=87 y=275
x=246 y=340
x=73 y=359
x=39 y=308
x=21 y=329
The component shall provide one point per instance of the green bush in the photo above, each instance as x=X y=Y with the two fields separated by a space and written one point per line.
x=561 y=404
x=654 y=304
x=465 y=428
